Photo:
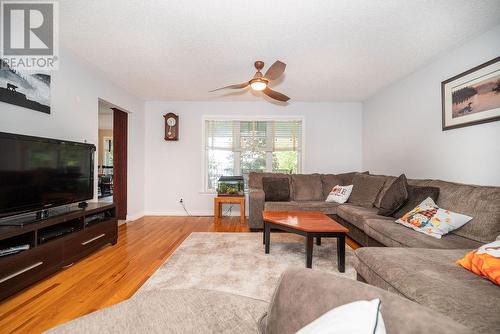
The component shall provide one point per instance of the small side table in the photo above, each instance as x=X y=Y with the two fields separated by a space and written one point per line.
x=219 y=200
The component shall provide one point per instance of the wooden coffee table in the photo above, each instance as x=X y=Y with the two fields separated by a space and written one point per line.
x=310 y=224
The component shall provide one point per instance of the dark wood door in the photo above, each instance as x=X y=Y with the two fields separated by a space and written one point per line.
x=120 y=139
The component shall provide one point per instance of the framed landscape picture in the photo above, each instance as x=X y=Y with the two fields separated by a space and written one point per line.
x=472 y=97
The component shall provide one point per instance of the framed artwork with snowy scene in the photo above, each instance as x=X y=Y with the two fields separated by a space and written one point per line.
x=28 y=89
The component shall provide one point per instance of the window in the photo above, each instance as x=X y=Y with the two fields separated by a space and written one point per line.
x=238 y=147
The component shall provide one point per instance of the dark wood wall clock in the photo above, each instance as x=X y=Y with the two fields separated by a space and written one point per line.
x=171 y=126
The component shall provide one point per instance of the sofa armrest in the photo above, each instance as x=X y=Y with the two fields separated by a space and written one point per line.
x=256 y=199
x=303 y=295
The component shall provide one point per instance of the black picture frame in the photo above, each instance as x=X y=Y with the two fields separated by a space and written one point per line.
x=446 y=98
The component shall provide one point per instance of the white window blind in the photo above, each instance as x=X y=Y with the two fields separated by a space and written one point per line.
x=287 y=136
x=219 y=135
x=238 y=147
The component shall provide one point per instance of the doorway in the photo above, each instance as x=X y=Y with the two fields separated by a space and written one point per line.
x=112 y=157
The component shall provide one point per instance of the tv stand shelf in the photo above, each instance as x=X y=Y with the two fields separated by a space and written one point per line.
x=55 y=243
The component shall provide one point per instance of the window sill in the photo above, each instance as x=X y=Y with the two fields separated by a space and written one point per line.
x=214 y=193
x=204 y=192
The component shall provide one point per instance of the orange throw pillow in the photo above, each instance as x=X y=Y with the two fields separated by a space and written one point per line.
x=484 y=262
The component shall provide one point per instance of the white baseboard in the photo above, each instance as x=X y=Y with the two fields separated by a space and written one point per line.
x=183 y=213
x=122 y=222
x=178 y=213
x=133 y=217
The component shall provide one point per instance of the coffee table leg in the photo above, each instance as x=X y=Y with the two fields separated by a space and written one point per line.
x=309 y=251
x=341 y=253
x=264 y=234
x=318 y=241
x=267 y=236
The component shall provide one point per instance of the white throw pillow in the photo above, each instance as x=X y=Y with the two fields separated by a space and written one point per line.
x=432 y=220
x=361 y=317
x=339 y=194
x=493 y=249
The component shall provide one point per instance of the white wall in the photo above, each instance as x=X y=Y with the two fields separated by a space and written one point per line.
x=75 y=90
x=398 y=130
x=105 y=121
x=402 y=124
x=174 y=169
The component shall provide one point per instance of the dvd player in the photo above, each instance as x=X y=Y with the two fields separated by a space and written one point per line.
x=94 y=219
x=13 y=250
x=46 y=236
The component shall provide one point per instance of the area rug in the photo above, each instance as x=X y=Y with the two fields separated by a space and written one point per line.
x=236 y=263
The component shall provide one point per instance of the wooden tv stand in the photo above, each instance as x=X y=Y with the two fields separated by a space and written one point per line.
x=50 y=252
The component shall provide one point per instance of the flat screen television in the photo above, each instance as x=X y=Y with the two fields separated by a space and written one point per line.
x=40 y=173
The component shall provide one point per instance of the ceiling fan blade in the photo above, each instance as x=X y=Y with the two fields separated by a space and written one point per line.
x=275 y=71
x=237 y=86
x=275 y=95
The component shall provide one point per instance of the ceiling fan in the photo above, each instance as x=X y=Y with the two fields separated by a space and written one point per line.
x=260 y=82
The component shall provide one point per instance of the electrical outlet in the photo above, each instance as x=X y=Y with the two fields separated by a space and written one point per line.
x=181 y=201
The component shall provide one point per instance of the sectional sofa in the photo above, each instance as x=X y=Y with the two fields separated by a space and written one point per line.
x=308 y=192
x=301 y=296
x=421 y=288
x=399 y=259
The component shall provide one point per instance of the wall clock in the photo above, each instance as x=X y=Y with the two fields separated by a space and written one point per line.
x=171 y=126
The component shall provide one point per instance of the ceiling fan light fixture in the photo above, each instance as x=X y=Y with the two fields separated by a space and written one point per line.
x=258 y=84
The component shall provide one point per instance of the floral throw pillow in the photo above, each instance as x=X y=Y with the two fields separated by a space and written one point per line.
x=432 y=220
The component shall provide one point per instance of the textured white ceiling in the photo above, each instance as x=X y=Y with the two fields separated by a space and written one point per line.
x=342 y=50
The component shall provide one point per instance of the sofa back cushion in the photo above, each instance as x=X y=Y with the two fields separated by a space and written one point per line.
x=394 y=197
x=328 y=181
x=331 y=180
x=389 y=180
x=416 y=195
x=482 y=203
x=307 y=187
x=276 y=189
x=366 y=189
x=303 y=295
x=255 y=178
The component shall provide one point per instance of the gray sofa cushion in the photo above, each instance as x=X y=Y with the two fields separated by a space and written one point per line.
x=366 y=189
x=255 y=178
x=394 y=197
x=356 y=214
x=431 y=278
x=276 y=189
x=173 y=311
x=391 y=234
x=480 y=202
x=328 y=181
x=388 y=182
x=303 y=295
x=328 y=208
x=307 y=187
x=416 y=195
x=331 y=180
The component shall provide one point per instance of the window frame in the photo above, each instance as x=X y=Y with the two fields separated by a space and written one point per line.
x=204 y=155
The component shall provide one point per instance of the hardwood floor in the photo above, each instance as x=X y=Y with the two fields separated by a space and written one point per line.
x=107 y=277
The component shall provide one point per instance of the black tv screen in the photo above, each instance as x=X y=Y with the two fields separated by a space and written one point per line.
x=39 y=173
